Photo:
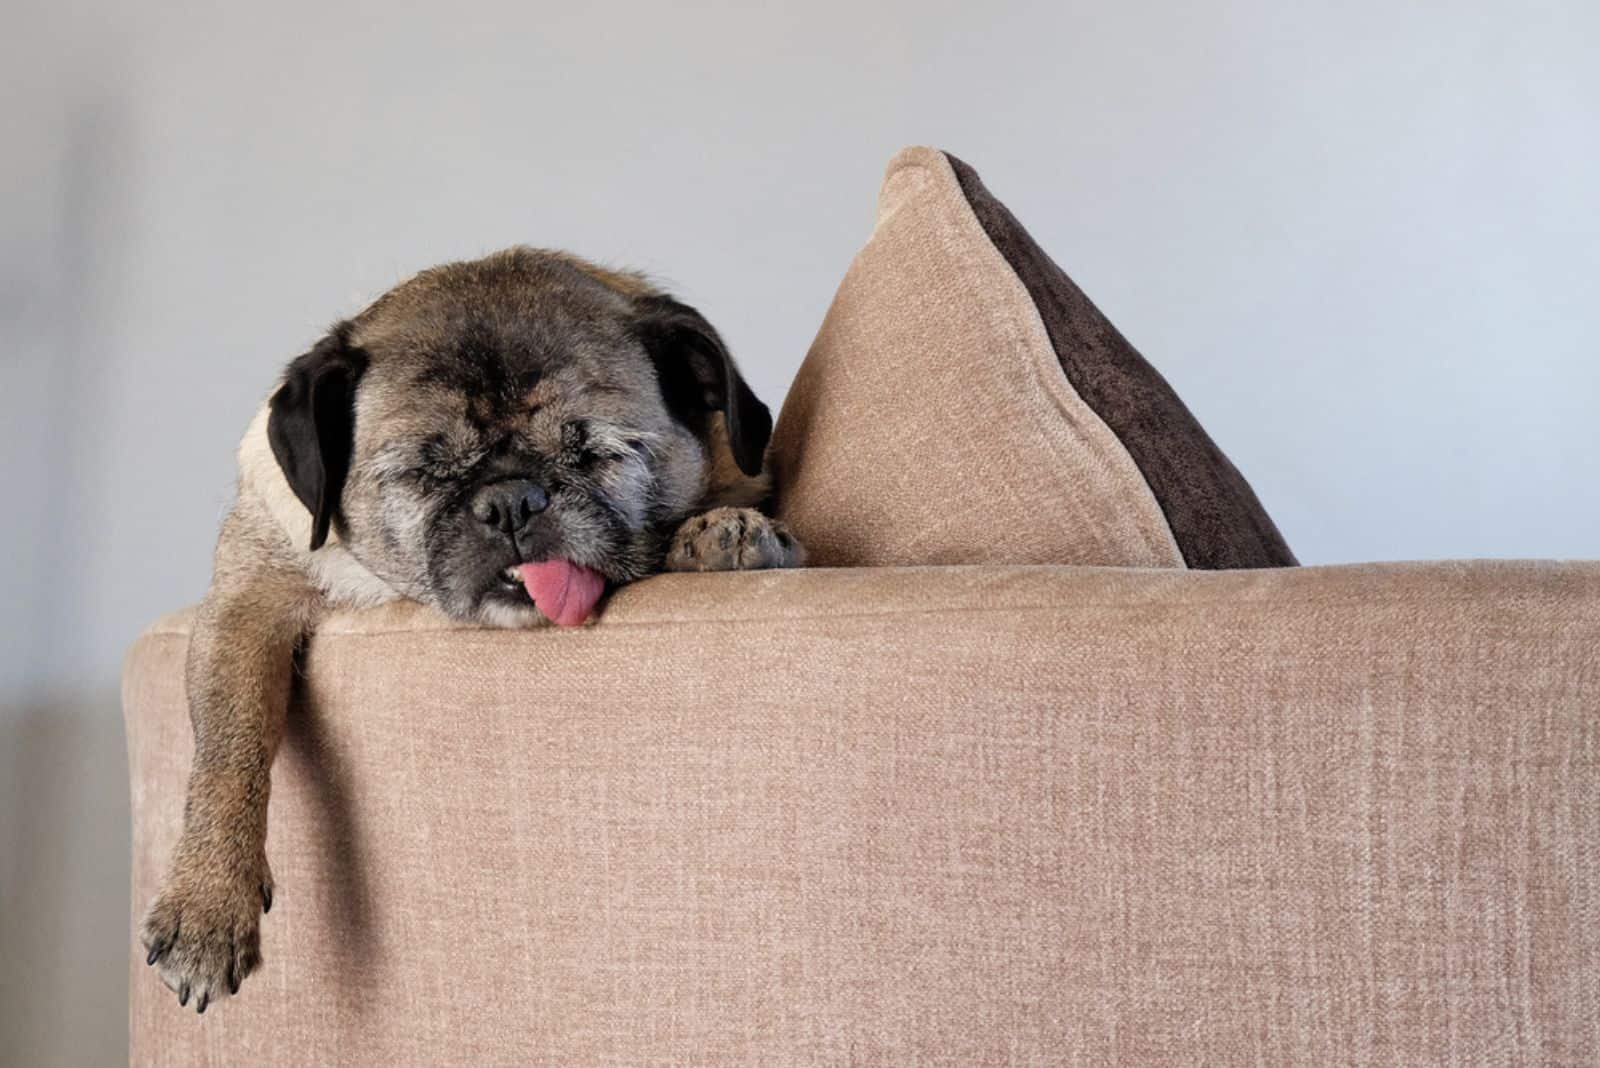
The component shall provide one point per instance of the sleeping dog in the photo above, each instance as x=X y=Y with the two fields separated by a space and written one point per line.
x=502 y=439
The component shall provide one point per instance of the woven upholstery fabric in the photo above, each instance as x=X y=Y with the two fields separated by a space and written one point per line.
x=966 y=815
x=1214 y=514
x=930 y=422
x=965 y=402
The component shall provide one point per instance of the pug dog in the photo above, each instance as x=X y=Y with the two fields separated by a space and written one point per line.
x=503 y=439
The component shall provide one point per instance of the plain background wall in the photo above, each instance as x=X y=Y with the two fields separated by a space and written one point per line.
x=1362 y=242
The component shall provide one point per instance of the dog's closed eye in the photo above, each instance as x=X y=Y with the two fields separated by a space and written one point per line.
x=576 y=449
x=587 y=444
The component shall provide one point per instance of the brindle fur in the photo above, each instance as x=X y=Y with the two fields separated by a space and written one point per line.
x=526 y=362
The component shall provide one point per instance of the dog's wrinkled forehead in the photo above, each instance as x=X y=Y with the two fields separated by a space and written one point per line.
x=495 y=340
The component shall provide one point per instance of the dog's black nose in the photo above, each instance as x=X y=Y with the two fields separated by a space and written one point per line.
x=507 y=506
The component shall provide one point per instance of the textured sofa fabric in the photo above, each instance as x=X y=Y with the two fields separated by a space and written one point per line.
x=1214 y=514
x=958 y=363
x=965 y=815
x=930 y=422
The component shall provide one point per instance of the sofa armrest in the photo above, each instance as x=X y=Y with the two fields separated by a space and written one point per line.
x=960 y=815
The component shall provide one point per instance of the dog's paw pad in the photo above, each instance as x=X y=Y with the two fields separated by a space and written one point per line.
x=733 y=539
x=203 y=935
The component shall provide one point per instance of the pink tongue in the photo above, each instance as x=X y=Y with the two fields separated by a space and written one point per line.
x=564 y=591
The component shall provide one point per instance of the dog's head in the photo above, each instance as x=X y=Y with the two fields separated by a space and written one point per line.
x=526 y=408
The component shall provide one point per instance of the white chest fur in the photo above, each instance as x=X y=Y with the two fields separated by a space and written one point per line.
x=343 y=579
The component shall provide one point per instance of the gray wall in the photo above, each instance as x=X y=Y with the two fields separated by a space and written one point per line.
x=1362 y=243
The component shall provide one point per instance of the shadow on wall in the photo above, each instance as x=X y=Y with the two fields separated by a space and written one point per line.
x=64 y=878
x=65 y=938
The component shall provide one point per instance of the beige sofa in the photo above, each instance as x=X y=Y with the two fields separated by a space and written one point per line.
x=1186 y=806
x=961 y=815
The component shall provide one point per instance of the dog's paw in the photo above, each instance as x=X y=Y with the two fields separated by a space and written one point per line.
x=203 y=931
x=733 y=539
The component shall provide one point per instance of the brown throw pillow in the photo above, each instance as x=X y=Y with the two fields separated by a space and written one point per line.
x=964 y=402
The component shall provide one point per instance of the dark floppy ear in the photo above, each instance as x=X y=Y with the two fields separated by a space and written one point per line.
x=311 y=425
x=698 y=377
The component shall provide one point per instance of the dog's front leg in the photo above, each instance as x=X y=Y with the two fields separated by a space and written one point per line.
x=203 y=928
